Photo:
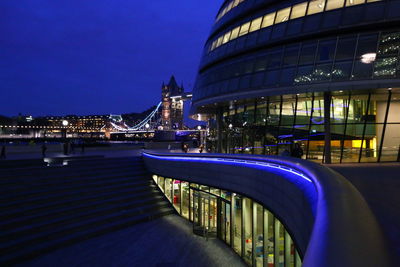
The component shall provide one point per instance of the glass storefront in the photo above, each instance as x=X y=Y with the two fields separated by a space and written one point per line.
x=251 y=230
x=364 y=126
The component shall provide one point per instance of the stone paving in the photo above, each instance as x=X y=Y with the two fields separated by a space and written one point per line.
x=167 y=241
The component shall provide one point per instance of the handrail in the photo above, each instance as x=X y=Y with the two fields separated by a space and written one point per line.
x=343 y=229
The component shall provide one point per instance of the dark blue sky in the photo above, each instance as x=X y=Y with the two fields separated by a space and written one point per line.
x=97 y=56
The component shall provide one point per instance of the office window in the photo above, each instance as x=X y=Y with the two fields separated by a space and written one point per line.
x=298 y=11
x=346 y=48
x=334 y=4
x=219 y=41
x=226 y=37
x=315 y=6
x=291 y=55
x=268 y=20
x=354 y=2
x=367 y=48
x=235 y=33
x=244 y=29
x=255 y=24
x=326 y=50
x=282 y=15
x=307 y=53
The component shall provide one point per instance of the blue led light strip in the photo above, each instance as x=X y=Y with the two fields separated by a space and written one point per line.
x=249 y=163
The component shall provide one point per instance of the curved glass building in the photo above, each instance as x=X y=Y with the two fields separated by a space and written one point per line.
x=322 y=73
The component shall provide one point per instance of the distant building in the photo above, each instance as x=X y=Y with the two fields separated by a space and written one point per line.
x=172 y=108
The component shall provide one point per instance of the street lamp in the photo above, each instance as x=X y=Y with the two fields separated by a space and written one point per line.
x=65 y=123
x=147 y=126
x=199 y=127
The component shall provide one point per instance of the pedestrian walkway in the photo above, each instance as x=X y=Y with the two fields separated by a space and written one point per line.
x=167 y=241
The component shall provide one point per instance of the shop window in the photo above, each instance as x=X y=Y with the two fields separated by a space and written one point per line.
x=268 y=20
x=237 y=224
x=258 y=230
x=282 y=15
x=334 y=4
x=248 y=230
x=298 y=11
x=269 y=238
x=354 y=2
x=255 y=24
x=346 y=48
x=315 y=6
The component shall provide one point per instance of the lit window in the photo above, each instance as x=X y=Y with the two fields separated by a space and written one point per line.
x=255 y=24
x=354 y=2
x=334 y=4
x=268 y=20
x=282 y=15
x=244 y=29
x=219 y=41
x=235 y=33
x=315 y=6
x=213 y=45
x=298 y=11
x=226 y=37
x=370 y=1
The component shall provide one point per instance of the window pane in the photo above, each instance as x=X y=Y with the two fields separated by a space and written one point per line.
x=269 y=239
x=237 y=230
x=315 y=6
x=244 y=29
x=298 y=11
x=326 y=50
x=354 y=2
x=255 y=24
x=385 y=67
x=334 y=4
x=291 y=55
x=258 y=234
x=366 y=45
x=282 y=15
x=341 y=71
x=268 y=20
x=248 y=230
x=307 y=53
x=389 y=44
x=346 y=48
x=235 y=33
x=275 y=59
x=226 y=37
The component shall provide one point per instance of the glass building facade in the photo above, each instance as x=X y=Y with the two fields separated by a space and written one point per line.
x=249 y=228
x=324 y=74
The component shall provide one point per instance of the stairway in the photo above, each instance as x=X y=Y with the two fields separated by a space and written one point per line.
x=47 y=208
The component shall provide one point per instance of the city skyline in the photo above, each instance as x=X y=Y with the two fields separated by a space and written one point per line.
x=97 y=58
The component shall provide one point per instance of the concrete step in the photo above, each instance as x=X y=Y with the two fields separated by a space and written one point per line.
x=32 y=250
x=68 y=194
x=10 y=221
x=45 y=206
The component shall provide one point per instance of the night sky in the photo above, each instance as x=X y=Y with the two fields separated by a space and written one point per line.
x=97 y=56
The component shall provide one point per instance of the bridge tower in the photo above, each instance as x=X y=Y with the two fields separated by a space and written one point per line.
x=172 y=108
